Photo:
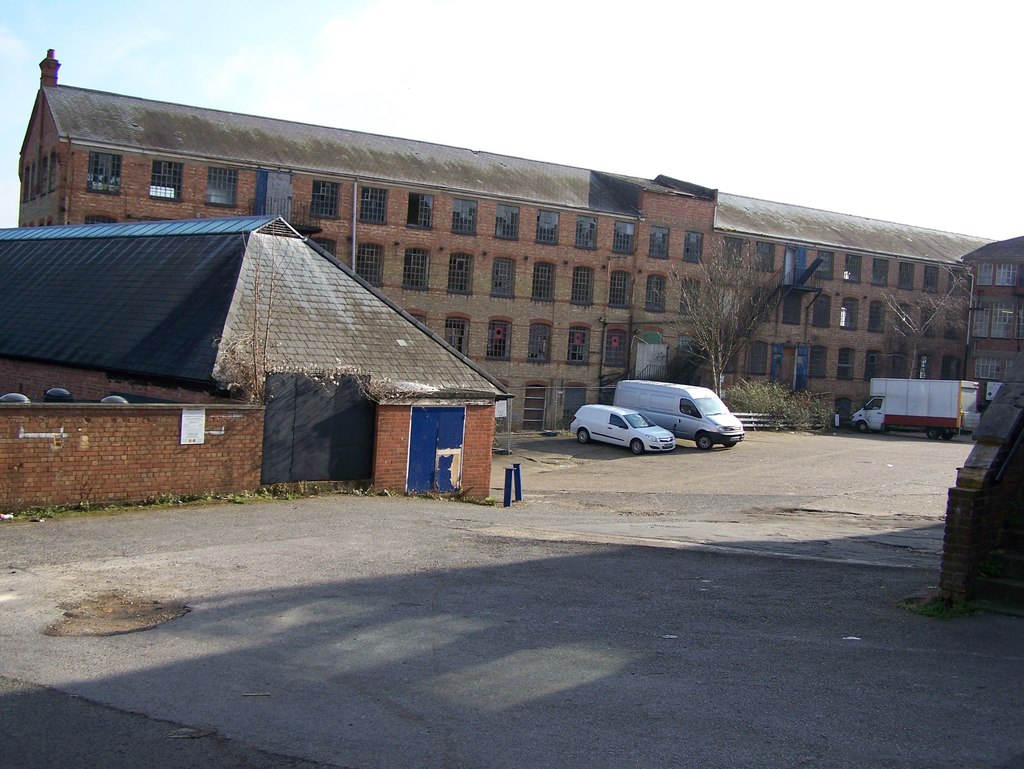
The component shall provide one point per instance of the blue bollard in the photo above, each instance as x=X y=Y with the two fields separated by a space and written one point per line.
x=508 y=487
x=517 y=475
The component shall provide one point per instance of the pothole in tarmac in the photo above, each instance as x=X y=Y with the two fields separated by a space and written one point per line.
x=115 y=613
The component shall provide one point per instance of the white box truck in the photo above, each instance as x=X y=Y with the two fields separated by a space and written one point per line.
x=940 y=407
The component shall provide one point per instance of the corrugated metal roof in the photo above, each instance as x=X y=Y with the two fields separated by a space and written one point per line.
x=842 y=232
x=150 y=306
x=124 y=121
x=220 y=226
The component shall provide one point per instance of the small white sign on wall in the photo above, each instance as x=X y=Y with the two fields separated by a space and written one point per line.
x=193 y=426
x=500 y=409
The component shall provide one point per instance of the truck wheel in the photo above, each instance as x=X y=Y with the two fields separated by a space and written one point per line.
x=862 y=426
x=948 y=435
x=933 y=433
x=582 y=435
x=636 y=446
x=703 y=441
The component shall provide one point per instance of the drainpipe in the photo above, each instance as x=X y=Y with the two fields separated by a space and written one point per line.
x=355 y=207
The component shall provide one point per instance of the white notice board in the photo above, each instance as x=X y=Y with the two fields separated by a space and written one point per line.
x=193 y=426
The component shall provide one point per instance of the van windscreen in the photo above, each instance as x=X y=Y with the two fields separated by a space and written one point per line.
x=711 y=406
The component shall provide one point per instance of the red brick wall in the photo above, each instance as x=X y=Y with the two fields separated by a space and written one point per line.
x=34 y=379
x=477 y=451
x=391 y=450
x=112 y=453
x=391 y=447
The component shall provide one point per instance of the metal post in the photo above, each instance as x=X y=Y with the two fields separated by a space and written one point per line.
x=517 y=476
x=508 y=487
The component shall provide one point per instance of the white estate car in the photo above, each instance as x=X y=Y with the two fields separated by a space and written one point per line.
x=621 y=427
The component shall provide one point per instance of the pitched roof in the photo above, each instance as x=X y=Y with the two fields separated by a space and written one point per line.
x=781 y=221
x=1002 y=249
x=115 y=121
x=161 y=298
x=322 y=317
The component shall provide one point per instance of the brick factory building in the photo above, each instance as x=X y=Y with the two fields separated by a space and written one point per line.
x=558 y=280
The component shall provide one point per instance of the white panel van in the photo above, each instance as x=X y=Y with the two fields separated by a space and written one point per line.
x=693 y=413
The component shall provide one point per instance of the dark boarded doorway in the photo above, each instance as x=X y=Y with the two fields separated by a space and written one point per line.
x=315 y=431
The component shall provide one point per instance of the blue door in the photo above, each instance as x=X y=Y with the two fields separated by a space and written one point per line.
x=435 y=449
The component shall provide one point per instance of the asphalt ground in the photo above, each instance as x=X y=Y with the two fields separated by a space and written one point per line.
x=732 y=608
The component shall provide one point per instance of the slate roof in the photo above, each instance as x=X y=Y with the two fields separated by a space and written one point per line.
x=809 y=226
x=156 y=299
x=115 y=121
x=1011 y=250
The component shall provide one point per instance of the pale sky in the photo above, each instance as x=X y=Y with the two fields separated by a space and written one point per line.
x=904 y=111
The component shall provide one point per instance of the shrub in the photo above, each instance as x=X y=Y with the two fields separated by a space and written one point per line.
x=800 y=410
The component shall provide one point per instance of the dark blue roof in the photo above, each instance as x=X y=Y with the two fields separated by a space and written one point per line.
x=148 y=298
x=224 y=226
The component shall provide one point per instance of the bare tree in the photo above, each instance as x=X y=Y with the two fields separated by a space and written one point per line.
x=723 y=304
x=929 y=314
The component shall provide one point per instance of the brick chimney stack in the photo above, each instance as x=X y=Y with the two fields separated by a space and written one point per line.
x=48 y=70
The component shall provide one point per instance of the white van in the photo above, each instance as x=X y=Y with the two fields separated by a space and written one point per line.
x=620 y=427
x=693 y=413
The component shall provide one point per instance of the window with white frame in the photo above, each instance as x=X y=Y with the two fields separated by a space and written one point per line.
x=982 y=318
x=1002 y=319
x=988 y=368
x=986 y=272
x=1006 y=274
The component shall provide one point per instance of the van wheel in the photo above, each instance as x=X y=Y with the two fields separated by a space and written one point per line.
x=583 y=435
x=703 y=441
x=862 y=426
x=636 y=446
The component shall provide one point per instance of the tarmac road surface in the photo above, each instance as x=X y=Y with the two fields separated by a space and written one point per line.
x=631 y=611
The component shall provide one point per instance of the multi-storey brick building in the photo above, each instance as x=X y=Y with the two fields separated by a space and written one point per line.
x=996 y=327
x=559 y=280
